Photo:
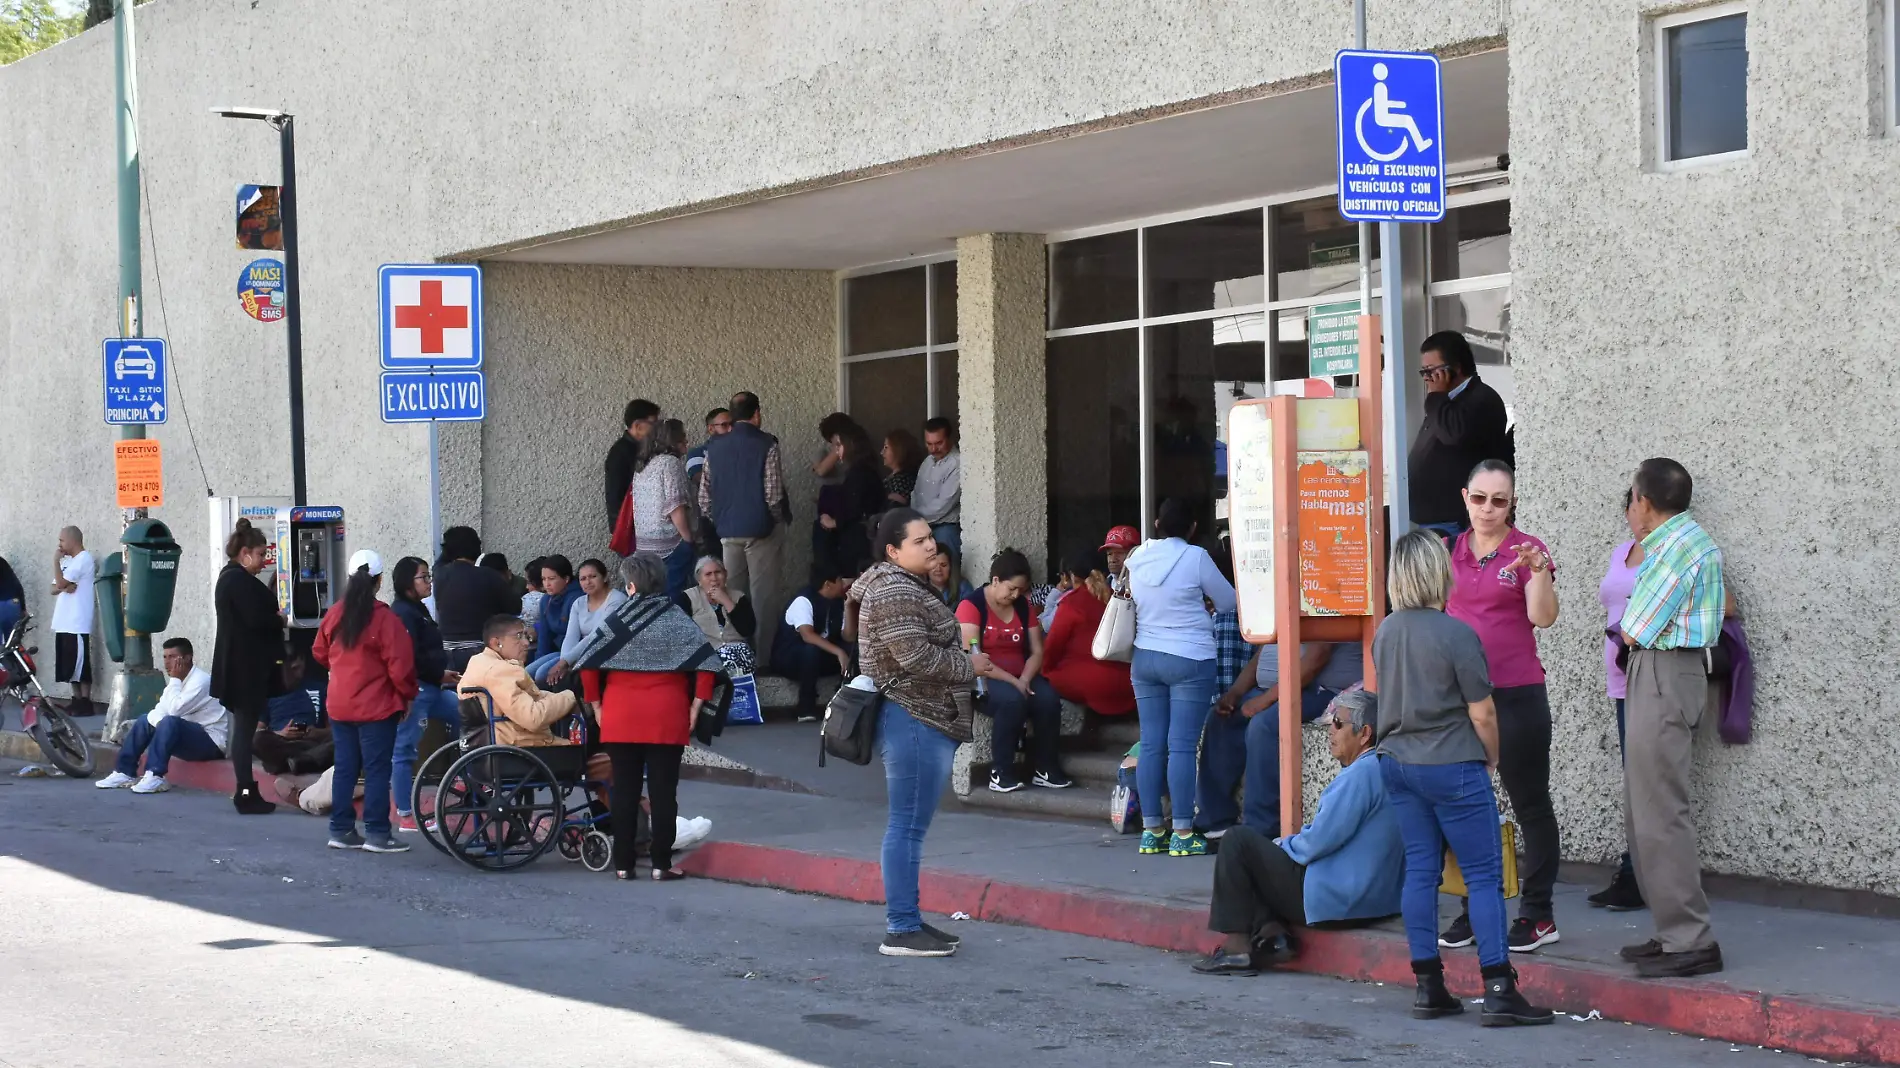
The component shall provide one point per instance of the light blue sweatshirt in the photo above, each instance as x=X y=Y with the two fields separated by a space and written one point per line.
x=1170 y=580
x=1353 y=851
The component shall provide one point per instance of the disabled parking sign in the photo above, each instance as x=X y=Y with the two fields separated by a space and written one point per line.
x=1391 y=136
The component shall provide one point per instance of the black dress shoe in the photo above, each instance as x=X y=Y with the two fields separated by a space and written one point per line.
x=1272 y=952
x=1681 y=965
x=1218 y=963
x=1641 y=952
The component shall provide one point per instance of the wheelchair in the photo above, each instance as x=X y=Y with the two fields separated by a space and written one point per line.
x=499 y=807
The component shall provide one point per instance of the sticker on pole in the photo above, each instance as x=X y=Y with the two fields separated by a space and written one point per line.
x=135 y=381
x=431 y=316
x=260 y=290
x=139 y=471
x=1391 y=136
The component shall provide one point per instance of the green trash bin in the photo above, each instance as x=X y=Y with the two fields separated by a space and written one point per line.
x=151 y=575
x=108 y=592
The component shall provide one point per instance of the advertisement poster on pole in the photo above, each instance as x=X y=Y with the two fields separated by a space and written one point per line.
x=139 y=472
x=260 y=218
x=261 y=290
x=1251 y=514
x=1334 y=531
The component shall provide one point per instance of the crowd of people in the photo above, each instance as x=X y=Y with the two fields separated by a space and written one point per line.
x=646 y=652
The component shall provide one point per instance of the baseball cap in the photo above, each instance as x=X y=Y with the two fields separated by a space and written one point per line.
x=1123 y=537
x=363 y=558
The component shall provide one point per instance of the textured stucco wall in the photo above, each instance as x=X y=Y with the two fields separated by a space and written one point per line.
x=1737 y=318
x=1000 y=388
x=570 y=345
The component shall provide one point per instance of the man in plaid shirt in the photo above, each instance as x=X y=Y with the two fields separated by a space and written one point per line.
x=1673 y=620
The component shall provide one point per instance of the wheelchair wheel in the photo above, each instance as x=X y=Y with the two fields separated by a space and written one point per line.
x=571 y=843
x=425 y=796
x=498 y=808
x=597 y=851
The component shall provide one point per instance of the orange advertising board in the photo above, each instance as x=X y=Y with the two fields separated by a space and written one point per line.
x=1335 y=545
x=139 y=472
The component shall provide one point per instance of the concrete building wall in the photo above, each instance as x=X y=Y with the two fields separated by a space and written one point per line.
x=569 y=346
x=1736 y=318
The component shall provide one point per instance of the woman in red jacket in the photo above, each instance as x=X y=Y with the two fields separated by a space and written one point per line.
x=372 y=663
x=1068 y=661
x=650 y=673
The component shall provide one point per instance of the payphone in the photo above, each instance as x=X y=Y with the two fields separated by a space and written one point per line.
x=312 y=562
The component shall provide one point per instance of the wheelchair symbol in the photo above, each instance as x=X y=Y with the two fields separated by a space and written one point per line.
x=1388 y=114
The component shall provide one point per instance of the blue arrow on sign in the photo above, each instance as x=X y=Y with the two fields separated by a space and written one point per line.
x=1391 y=136
x=434 y=396
x=135 y=380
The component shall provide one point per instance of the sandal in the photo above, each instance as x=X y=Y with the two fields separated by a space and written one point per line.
x=667 y=875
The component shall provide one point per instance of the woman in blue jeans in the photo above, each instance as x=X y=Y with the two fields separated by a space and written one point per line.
x=908 y=644
x=1172 y=582
x=435 y=683
x=1438 y=740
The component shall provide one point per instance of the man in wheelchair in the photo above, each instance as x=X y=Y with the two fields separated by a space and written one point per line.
x=525 y=714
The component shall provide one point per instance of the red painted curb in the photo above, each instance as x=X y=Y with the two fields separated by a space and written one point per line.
x=1709 y=1010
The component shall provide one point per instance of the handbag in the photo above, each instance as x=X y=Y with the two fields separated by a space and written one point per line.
x=1453 y=880
x=849 y=731
x=624 y=543
x=1115 y=634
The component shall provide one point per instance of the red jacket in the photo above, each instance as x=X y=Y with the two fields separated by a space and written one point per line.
x=654 y=707
x=374 y=680
x=1070 y=665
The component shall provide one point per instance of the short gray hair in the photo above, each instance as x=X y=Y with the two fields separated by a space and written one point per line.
x=699 y=568
x=1359 y=708
x=1420 y=575
x=645 y=572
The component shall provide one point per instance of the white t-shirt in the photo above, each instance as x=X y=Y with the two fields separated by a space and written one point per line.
x=799 y=613
x=72 y=611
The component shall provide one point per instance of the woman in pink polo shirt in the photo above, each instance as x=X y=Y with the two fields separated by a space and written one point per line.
x=1504 y=587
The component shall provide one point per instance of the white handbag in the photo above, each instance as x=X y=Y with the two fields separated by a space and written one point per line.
x=1115 y=634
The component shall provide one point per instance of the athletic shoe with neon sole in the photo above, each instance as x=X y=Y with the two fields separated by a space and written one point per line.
x=1154 y=841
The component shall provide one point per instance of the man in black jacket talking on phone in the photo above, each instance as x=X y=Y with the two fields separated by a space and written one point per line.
x=1464 y=425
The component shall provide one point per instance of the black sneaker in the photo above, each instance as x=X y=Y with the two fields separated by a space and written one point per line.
x=1057 y=781
x=915 y=944
x=1458 y=935
x=1527 y=936
x=1004 y=785
x=945 y=937
x=1622 y=895
x=351 y=840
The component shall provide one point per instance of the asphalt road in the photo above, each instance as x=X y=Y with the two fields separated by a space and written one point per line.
x=168 y=930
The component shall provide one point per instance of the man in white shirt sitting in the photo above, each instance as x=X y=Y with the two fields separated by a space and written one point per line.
x=187 y=724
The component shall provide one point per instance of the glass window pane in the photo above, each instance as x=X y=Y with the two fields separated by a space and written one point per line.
x=1093 y=280
x=884 y=311
x=1203 y=264
x=1197 y=371
x=1484 y=318
x=1315 y=251
x=1094 y=450
x=1472 y=241
x=946 y=385
x=943 y=292
x=887 y=394
x=1708 y=87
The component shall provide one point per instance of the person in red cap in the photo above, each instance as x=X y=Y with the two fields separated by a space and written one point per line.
x=1120 y=542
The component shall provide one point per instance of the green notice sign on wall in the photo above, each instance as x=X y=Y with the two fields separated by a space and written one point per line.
x=1332 y=339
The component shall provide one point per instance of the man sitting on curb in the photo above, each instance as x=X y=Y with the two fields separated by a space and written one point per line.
x=187 y=723
x=1346 y=866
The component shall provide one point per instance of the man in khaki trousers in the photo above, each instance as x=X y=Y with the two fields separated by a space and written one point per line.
x=1673 y=620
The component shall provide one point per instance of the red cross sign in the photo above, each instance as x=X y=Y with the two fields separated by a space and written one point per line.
x=431 y=316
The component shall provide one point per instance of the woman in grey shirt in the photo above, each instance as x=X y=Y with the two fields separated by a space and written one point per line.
x=1438 y=737
x=598 y=601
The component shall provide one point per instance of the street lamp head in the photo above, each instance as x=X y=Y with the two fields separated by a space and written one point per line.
x=271 y=115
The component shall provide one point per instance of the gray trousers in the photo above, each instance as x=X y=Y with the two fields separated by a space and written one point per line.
x=1668 y=692
x=753 y=567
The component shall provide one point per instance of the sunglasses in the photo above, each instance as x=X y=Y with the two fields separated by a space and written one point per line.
x=1338 y=724
x=1483 y=500
x=1428 y=372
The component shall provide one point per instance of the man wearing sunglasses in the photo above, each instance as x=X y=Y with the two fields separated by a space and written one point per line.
x=1464 y=424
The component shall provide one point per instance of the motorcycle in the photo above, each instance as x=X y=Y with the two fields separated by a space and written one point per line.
x=45 y=717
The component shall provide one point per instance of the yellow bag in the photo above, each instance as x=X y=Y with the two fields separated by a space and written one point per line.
x=1453 y=882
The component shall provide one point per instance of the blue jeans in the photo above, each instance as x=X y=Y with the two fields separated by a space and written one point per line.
x=916 y=769
x=1235 y=744
x=679 y=568
x=173 y=737
x=796 y=658
x=1010 y=711
x=950 y=536
x=1449 y=803
x=1172 y=696
x=539 y=667
x=362 y=751
x=432 y=702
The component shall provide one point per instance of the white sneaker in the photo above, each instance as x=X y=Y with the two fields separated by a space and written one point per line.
x=151 y=784
x=118 y=780
x=690 y=832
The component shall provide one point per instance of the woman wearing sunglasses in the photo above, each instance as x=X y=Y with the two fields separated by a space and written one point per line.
x=1504 y=587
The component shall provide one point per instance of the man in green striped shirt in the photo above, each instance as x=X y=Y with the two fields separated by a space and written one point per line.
x=1674 y=618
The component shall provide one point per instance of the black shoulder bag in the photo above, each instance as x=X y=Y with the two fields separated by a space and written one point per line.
x=850 y=728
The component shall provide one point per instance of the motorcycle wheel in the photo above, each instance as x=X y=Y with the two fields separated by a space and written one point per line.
x=61 y=739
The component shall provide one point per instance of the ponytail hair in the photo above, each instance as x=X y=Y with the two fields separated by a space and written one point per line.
x=359 y=602
x=243 y=536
